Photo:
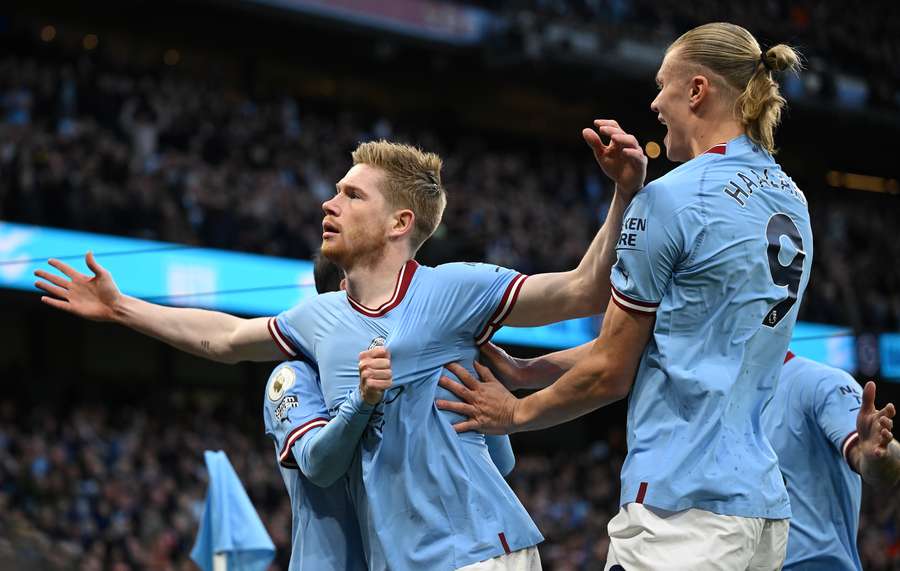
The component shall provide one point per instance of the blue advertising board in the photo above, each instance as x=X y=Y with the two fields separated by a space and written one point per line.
x=252 y=284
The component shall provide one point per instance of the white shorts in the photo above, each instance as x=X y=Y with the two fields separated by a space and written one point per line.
x=642 y=538
x=526 y=559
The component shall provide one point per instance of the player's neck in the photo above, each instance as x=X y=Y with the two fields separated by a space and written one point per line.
x=372 y=282
x=712 y=133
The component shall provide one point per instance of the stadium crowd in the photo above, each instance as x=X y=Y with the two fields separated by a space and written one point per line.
x=122 y=489
x=175 y=159
x=830 y=41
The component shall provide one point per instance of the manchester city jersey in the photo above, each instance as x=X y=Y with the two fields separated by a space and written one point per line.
x=324 y=530
x=811 y=423
x=719 y=249
x=426 y=497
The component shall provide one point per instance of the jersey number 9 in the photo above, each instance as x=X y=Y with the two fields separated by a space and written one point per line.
x=784 y=276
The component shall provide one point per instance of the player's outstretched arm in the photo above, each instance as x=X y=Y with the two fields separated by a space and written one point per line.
x=548 y=298
x=603 y=377
x=877 y=456
x=325 y=455
x=538 y=373
x=210 y=334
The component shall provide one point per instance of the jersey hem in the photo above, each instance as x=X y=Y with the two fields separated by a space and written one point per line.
x=740 y=509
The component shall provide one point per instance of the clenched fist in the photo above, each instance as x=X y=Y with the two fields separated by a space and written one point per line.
x=375 y=374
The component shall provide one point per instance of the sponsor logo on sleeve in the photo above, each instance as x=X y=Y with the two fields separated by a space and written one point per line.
x=286 y=404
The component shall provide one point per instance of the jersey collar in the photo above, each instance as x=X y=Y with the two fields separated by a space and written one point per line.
x=789 y=356
x=716 y=149
x=404 y=278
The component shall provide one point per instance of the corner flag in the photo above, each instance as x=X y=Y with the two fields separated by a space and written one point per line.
x=230 y=530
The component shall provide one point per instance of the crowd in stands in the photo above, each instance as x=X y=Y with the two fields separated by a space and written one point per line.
x=122 y=489
x=865 y=45
x=171 y=158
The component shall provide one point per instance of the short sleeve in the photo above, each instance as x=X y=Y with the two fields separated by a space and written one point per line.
x=291 y=330
x=479 y=297
x=836 y=403
x=653 y=239
x=293 y=406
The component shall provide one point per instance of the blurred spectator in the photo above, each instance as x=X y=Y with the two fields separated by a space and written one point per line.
x=182 y=161
x=124 y=490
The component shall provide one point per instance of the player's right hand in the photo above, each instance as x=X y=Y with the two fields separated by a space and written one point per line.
x=623 y=160
x=93 y=298
x=375 y=375
x=508 y=369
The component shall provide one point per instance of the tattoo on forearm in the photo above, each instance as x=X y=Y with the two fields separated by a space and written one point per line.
x=205 y=345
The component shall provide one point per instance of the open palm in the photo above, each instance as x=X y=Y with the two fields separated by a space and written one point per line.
x=873 y=425
x=93 y=298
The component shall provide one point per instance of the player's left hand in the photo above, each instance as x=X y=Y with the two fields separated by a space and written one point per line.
x=490 y=408
x=874 y=426
x=375 y=375
x=623 y=160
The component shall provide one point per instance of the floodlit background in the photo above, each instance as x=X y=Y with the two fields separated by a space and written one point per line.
x=190 y=145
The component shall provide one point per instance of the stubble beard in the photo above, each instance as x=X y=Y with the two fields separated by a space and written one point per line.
x=367 y=249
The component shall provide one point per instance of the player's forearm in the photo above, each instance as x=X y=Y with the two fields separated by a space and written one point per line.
x=326 y=455
x=543 y=371
x=589 y=385
x=594 y=270
x=881 y=472
x=203 y=333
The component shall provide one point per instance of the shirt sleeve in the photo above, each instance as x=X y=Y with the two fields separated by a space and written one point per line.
x=479 y=297
x=653 y=240
x=836 y=403
x=293 y=406
x=292 y=330
x=325 y=456
x=501 y=451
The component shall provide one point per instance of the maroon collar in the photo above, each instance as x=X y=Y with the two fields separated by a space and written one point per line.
x=789 y=356
x=404 y=278
x=716 y=149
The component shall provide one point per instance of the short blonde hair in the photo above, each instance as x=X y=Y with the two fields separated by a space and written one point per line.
x=413 y=180
x=732 y=53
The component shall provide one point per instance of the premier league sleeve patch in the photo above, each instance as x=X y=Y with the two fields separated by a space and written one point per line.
x=283 y=380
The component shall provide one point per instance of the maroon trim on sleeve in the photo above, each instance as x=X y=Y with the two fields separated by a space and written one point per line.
x=504 y=308
x=295 y=435
x=280 y=339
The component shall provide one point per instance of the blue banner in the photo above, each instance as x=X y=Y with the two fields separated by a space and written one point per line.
x=252 y=284
x=889 y=348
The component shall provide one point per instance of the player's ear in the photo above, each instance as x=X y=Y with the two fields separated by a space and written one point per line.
x=699 y=90
x=402 y=223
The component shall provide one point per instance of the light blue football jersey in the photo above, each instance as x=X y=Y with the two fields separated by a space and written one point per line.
x=719 y=249
x=426 y=497
x=325 y=532
x=811 y=423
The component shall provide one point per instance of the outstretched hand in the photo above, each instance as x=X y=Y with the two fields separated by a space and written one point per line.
x=874 y=426
x=93 y=298
x=490 y=408
x=622 y=159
